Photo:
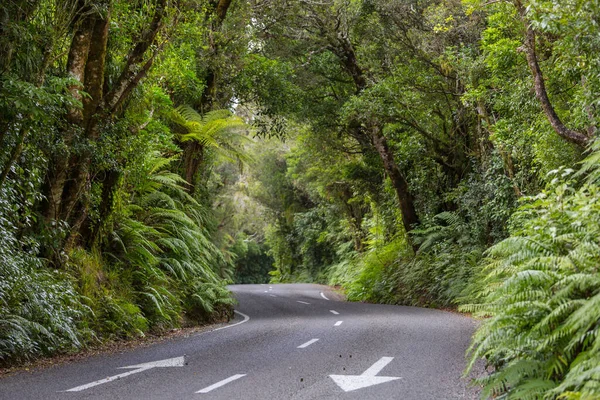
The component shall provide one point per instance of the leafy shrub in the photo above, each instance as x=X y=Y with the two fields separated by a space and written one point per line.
x=448 y=256
x=208 y=301
x=120 y=319
x=366 y=276
x=541 y=290
x=251 y=260
x=161 y=240
x=40 y=310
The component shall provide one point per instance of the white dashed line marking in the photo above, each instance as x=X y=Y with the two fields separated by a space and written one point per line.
x=334 y=312
x=221 y=383
x=301 y=302
x=338 y=323
x=323 y=296
x=302 y=346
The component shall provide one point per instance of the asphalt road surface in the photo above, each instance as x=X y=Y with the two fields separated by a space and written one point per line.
x=295 y=341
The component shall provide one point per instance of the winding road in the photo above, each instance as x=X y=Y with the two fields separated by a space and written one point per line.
x=296 y=341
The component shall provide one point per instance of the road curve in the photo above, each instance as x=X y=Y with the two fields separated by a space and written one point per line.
x=296 y=341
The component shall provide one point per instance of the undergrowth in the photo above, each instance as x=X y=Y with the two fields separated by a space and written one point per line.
x=540 y=292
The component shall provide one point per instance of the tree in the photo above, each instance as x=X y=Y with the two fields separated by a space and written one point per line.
x=86 y=66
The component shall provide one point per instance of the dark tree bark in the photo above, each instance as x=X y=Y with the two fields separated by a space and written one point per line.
x=111 y=182
x=56 y=176
x=221 y=10
x=94 y=71
x=93 y=83
x=405 y=199
x=193 y=155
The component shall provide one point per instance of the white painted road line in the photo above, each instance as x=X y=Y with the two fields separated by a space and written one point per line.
x=266 y=291
x=323 y=296
x=246 y=319
x=105 y=380
x=338 y=323
x=305 y=345
x=378 y=366
x=301 y=302
x=334 y=312
x=221 y=383
x=368 y=378
x=171 y=362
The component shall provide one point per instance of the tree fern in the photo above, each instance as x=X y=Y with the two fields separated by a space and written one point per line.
x=219 y=130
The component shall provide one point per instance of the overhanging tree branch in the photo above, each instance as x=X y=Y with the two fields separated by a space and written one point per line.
x=135 y=58
x=541 y=93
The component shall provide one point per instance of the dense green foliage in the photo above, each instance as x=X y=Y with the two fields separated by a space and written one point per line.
x=541 y=289
x=421 y=137
x=107 y=230
x=415 y=152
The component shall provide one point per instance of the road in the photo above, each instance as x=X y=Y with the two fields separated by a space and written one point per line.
x=293 y=341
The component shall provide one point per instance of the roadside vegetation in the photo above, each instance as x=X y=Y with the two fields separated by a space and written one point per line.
x=416 y=152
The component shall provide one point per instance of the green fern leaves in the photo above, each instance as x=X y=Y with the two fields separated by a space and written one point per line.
x=218 y=129
x=541 y=289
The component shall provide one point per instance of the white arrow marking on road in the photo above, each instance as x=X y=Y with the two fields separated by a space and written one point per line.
x=221 y=383
x=334 y=312
x=171 y=362
x=368 y=378
x=323 y=296
x=338 y=323
x=301 y=302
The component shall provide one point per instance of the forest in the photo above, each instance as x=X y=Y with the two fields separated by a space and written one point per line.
x=432 y=153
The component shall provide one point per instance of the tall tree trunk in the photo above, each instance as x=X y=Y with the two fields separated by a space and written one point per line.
x=405 y=199
x=56 y=176
x=193 y=151
x=68 y=179
x=193 y=155
x=111 y=182
x=94 y=73
x=344 y=50
x=91 y=114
